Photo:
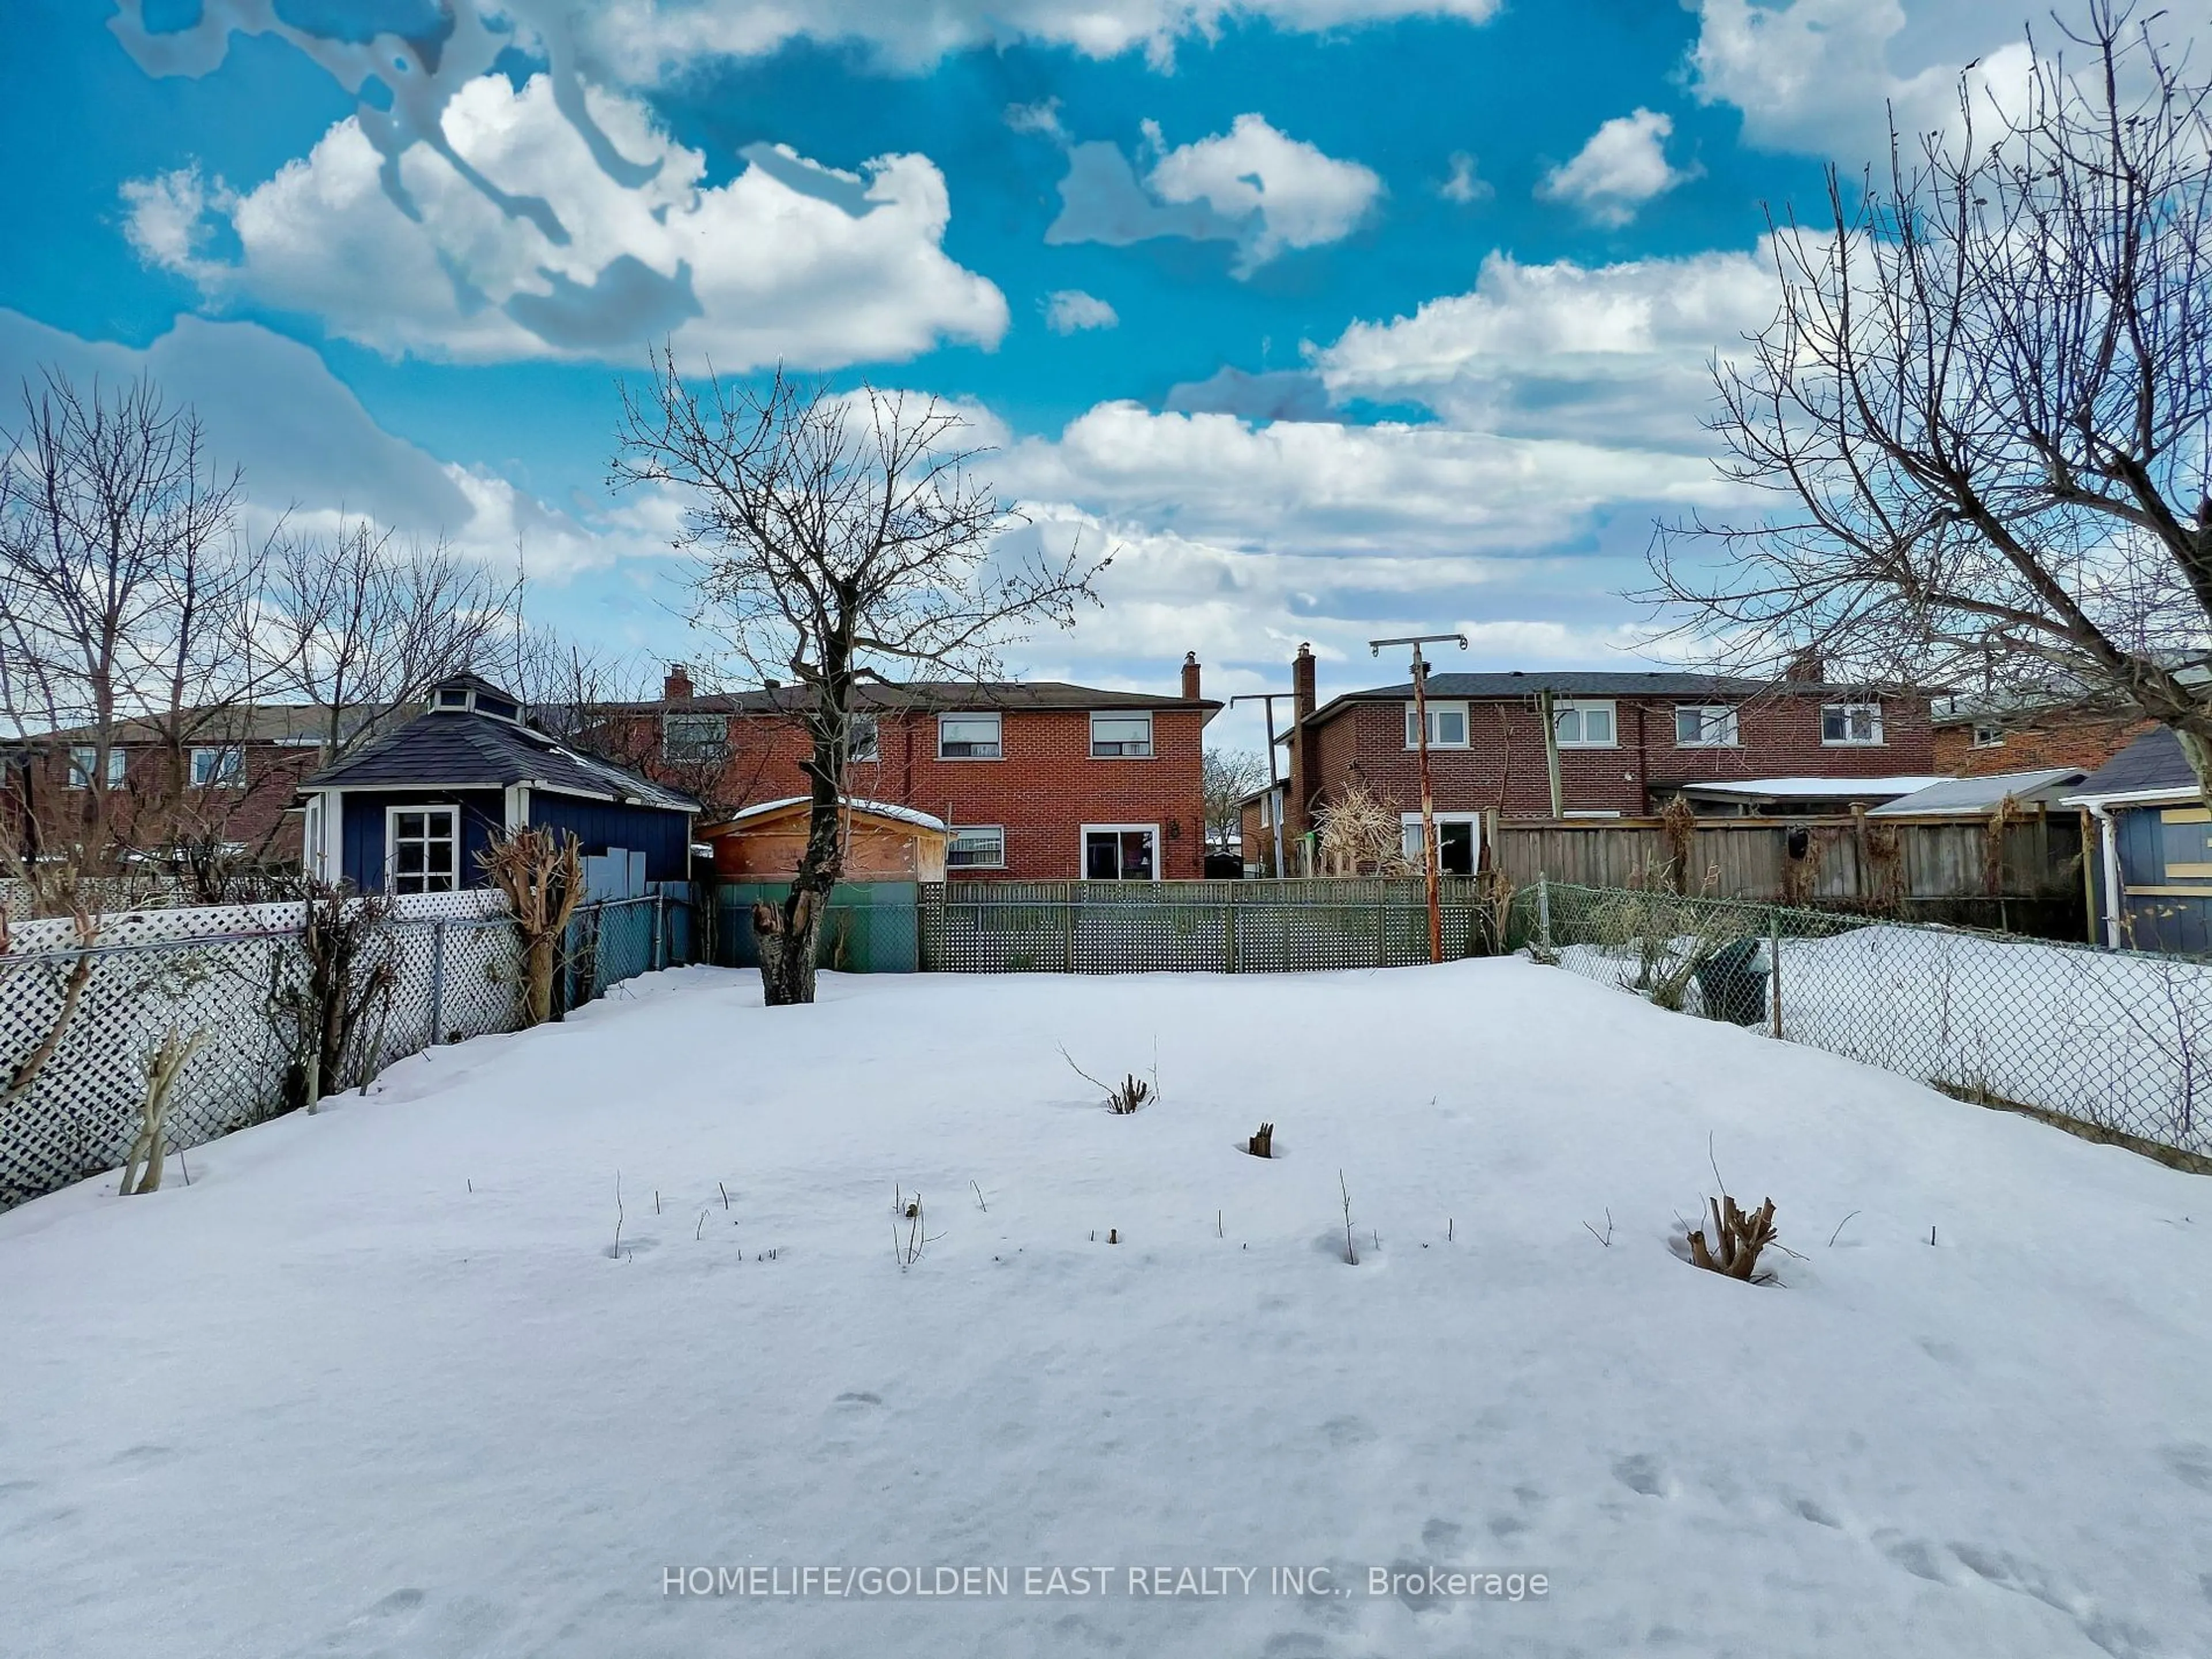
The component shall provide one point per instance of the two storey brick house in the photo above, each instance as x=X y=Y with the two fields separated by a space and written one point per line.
x=1038 y=779
x=1628 y=743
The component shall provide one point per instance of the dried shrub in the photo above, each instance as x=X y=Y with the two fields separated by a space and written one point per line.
x=1733 y=1251
x=1360 y=834
x=542 y=873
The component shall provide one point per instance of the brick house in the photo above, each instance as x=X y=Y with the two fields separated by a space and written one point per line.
x=233 y=781
x=1039 y=780
x=1977 y=742
x=1627 y=742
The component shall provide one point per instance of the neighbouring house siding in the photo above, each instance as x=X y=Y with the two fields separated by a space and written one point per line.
x=1503 y=767
x=482 y=815
x=664 y=837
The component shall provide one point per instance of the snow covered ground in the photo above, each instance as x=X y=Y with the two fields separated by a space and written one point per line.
x=374 y=1383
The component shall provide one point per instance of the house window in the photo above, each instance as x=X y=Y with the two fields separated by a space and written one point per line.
x=218 y=768
x=85 y=758
x=864 y=742
x=977 y=847
x=1583 y=724
x=1458 y=837
x=1850 y=723
x=967 y=737
x=1127 y=737
x=1120 y=852
x=1447 y=726
x=425 y=843
x=693 y=737
x=1710 y=726
x=1988 y=734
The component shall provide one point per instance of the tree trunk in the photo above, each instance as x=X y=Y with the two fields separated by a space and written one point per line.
x=2199 y=750
x=788 y=936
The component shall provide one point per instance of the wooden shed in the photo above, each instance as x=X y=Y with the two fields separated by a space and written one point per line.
x=883 y=842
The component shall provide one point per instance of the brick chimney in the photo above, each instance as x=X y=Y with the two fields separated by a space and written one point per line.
x=1190 y=691
x=1297 y=819
x=1805 y=668
x=677 y=686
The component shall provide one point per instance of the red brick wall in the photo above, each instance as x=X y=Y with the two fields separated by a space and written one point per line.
x=1042 y=793
x=148 y=813
x=1503 y=765
x=2060 y=738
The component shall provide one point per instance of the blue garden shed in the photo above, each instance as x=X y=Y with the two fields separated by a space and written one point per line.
x=413 y=812
x=2150 y=866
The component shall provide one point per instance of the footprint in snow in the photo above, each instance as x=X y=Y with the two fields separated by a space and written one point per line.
x=1644 y=1473
x=1347 y=1432
x=1819 y=1514
x=2191 y=1465
x=380 y=1628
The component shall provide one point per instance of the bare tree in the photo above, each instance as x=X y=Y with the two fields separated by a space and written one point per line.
x=1225 y=777
x=366 y=623
x=840 y=541
x=1984 y=404
x=125 y=593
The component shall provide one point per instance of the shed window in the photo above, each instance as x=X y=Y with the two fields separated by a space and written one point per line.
x=967 y=737
x=1850 y=723
x=977 y=847
x=425 y=845
x=1124 y=736
x=1583 y=724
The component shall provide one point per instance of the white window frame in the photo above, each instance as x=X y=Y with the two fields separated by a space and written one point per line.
x=1583 y=708
x=391 y=877
x=1119 y=752
x=997 y=719
x=960 y=829
x=215 y=780
x=864 y=740
x=1847 y=741
x=83 y=757
x=1437 y=710
x=1410 y=833
x=1995 y=740
x=1083 y=845
x=1731 y=734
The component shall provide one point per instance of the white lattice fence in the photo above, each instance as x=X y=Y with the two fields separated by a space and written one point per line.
x=215 y=969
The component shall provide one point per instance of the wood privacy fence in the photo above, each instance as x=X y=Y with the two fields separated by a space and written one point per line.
x=2022 y=876
x=1213 y=927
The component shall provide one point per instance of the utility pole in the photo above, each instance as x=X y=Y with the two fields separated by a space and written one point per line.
x=1551 y=751
x=1429 y=867
x=1275 y=802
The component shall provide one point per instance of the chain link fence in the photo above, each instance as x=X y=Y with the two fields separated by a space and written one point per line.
x=450 y=977
x=2116 y=1043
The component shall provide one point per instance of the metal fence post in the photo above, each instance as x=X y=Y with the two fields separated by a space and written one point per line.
x=1544 y=909
x=437 y=981
x=659 y=956
x=1774 y=969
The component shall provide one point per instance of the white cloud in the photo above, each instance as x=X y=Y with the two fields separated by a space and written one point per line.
x=523 y=245
x=311 y=453
x=1254 y=186
x=1465 y=186
x=1563 y=349
x=1323 y=488
x=1070 y=310
x=1820 y=76
x=1286 y=192
x=645 y=38
x=1622 y=167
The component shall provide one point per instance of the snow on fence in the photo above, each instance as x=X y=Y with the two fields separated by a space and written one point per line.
x=455 y=975
x=1218 y=926
x=2117 y=1041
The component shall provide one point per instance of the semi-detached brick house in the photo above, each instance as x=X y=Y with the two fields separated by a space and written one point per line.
x=1041 y=780
x=1628 y=742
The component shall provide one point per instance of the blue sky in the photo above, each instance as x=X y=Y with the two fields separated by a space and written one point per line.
x=1330 y=318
